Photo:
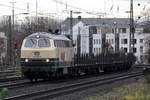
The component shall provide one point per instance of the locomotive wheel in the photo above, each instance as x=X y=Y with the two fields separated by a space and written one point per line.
x=87 y=71
x=59 y=73
x=50 y=74
x=97 y=70
x=70 y=72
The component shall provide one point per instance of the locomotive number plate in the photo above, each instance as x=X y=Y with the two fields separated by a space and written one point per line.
x=36 y=53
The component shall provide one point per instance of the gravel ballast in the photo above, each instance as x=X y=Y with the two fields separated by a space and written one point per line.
x=100 y=90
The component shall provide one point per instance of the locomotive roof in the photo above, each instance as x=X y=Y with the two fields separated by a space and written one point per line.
x=48 y=35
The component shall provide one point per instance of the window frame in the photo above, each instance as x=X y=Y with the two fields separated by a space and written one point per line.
x=30 y=46
x=44 y=40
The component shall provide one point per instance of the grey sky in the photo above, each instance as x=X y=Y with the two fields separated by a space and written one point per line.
x=113 y=8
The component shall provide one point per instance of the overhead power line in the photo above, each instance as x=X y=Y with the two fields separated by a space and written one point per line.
x=80 y=9
x=50 y=14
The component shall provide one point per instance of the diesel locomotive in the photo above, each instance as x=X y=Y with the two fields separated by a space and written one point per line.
x=45 y=55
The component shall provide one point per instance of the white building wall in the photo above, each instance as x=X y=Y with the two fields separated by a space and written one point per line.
x=97 y=41
x=110 y=38
x=140 y=46
x=81 y=29
x=123 y=36
x=2 y=35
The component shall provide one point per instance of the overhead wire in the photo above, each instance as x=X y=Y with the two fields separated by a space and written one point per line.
x=80 y=9
x=62 y=3
x=26 y=10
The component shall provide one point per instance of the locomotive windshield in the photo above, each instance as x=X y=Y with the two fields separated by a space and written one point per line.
x=30 y=43
x=44 y=43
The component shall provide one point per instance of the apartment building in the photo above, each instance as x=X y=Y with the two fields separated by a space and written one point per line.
x=92 y=31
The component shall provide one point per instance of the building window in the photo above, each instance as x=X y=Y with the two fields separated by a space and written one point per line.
x=93 y=30
x=124 y=41
x=134 y=50
x=134 y=41
x=112 y=41
x=112 y=30
x=122 y=30
x=97 y=41
x=141 y=40
x=125 y=50
x=141 y=49
x=96 y=50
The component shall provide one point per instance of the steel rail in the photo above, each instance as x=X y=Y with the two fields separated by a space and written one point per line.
x=55 y=92
x=11 y=79
x=14 y=85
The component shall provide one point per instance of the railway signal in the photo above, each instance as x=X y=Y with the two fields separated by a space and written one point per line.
x=15 y=52
x=15 y=44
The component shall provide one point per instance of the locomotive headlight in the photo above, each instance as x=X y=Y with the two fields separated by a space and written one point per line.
x=26 y=60
x=47 y=60
x=37 y=36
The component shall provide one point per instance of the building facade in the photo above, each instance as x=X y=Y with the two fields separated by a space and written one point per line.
x=140 y=48
x=93 y=31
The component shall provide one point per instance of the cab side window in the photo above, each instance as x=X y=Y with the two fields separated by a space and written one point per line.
x=62 y=43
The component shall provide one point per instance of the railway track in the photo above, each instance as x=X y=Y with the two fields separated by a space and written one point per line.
x=7 y=73
x=66 y=89
x=9 y=76
x=12 y=85
x=14 y=78
x=25 y=83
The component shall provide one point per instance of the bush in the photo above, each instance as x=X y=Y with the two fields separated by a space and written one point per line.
x=146 y=73
x=3 y=93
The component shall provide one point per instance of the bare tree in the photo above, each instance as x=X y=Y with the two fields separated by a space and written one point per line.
x=31 y=25
x=38 y=25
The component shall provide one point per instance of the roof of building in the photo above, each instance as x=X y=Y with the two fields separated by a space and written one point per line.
x=94 y=21
x=47 y=35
